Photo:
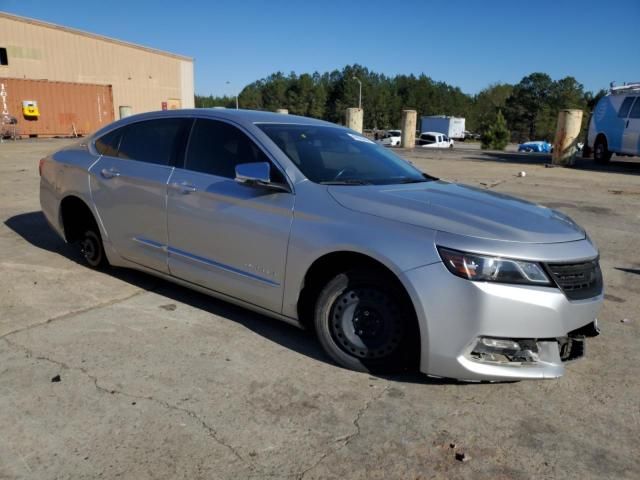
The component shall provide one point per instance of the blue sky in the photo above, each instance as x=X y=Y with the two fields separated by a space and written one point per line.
x=470 y=44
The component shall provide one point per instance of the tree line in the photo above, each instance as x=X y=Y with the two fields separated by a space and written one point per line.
x=529 y=108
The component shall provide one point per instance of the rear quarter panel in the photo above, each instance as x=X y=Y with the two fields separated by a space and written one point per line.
x=65 y=173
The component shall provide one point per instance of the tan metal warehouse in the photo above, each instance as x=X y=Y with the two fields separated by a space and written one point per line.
x=141 y=79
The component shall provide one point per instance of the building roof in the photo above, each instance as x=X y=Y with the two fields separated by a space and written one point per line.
x=103 y=38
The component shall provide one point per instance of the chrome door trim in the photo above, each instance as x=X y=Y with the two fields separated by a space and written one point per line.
x=150 y=243
x=212 y=263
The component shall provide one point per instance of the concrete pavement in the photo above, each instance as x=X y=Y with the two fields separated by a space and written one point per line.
x=157 y=381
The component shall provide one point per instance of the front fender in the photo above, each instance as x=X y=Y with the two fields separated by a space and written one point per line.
x=323 y=226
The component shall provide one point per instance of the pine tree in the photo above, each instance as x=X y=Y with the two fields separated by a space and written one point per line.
x=496 y=137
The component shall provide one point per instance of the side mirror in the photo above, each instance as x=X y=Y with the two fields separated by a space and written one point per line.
x=257 y=174
x=253 y=173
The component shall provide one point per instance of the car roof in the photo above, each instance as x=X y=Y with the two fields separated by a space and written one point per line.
x=251 y=116
x=432 y=133
x=239 y=116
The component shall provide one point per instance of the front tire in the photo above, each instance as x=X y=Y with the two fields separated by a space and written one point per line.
x=92 y=249
x=366 y=324
x=601 y=153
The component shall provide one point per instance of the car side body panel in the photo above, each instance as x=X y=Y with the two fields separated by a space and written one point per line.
x=229 y=237
x=130 y=198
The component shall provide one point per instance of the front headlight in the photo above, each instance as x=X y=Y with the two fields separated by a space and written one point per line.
x=482 y=268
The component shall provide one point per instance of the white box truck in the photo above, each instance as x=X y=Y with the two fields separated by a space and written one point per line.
x=452 y=127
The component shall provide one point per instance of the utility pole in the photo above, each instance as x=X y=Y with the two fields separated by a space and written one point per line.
x=236 y=95
x=360 y=93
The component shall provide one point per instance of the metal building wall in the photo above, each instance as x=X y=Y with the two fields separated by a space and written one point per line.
x=65 y=108
x=142 y=78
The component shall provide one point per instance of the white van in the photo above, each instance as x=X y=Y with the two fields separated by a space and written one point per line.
x=615 y=124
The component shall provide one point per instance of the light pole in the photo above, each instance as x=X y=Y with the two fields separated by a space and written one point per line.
x=360 y=93
x=236 y=95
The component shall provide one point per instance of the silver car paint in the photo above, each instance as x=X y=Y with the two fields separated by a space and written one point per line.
x=130 y=198
x=461 y=209
x=253 y=247
x=219 y=234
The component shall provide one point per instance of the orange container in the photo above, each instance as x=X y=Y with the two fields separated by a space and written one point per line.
x=65 y=108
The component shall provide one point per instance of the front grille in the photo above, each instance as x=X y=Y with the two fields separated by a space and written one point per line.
x=577 y=280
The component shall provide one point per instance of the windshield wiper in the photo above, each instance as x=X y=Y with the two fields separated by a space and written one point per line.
x=350 y=181
x=399 y=180
x=411 y=180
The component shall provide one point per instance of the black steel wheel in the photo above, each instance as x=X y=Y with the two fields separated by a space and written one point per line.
x=92 y=249
x=365 y=324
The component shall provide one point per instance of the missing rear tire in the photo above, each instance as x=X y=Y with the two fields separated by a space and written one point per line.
x=92 y=249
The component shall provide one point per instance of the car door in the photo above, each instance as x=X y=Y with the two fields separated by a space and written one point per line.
x=223 y=235
x=129 y=187
x=631 y=135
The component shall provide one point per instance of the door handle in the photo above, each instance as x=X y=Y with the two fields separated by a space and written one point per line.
x=184 y=187
x=109 y=173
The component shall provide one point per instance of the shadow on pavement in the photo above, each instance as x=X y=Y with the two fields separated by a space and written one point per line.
x=635 y=271
x=616 y=165
x=34 y=228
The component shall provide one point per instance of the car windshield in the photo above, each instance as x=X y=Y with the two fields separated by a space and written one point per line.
x=333 y=155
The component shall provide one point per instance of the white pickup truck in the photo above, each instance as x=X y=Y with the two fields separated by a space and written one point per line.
x=434 y=140
x=391 y=138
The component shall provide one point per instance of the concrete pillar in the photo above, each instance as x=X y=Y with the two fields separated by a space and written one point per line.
x=354 y=119
x=409 y=119
x=284 y=111
x=567 y=131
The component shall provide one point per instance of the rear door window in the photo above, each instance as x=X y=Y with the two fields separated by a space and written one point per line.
x=159 y=141
x=625 y=107
x=108 y=144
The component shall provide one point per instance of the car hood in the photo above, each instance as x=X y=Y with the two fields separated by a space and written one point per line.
x=461 y=210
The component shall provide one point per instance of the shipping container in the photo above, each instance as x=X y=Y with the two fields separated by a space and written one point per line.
x=46 y=109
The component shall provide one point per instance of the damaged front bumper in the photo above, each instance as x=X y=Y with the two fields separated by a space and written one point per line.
x=542 y=358
x=484 y=331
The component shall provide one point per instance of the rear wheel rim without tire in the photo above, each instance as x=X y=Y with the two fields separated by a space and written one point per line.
x=367 y=323
x=91 y=249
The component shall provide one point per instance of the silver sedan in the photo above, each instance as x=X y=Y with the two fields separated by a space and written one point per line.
x=319 y=226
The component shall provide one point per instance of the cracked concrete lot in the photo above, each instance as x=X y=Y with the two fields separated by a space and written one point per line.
x=157 y=381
